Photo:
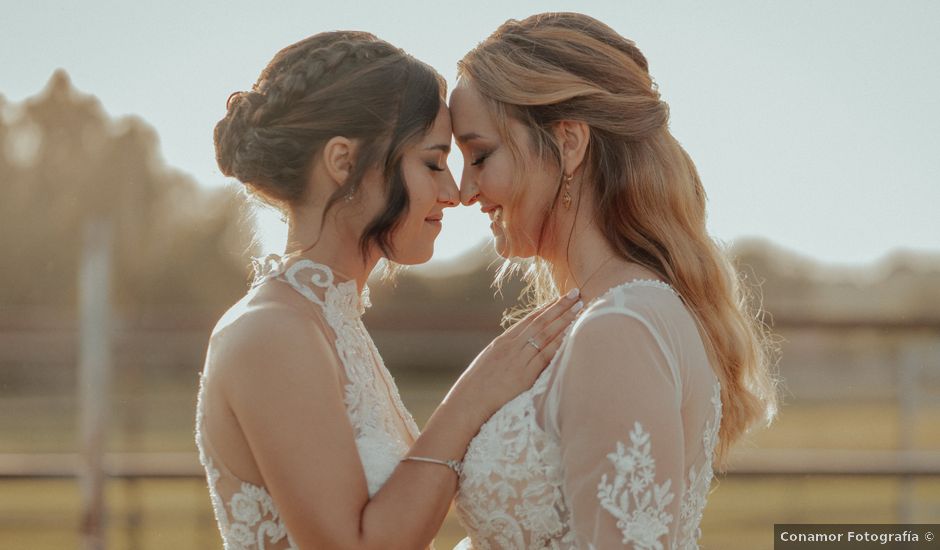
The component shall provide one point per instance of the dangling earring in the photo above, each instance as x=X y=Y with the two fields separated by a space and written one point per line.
x=566 y=197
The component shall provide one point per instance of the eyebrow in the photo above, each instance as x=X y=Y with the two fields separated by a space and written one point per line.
x=439 y=147
x=468 y=137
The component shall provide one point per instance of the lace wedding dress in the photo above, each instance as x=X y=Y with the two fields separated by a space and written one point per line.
x=247 y=516
x=610 y=452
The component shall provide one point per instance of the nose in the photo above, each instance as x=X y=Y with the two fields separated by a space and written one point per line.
x=448 y=194
x=469 y=192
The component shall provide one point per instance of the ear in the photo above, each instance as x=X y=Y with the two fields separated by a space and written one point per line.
x=572 y=137
x=338 y=159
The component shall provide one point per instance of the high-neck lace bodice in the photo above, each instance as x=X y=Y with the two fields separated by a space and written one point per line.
x=247 y=516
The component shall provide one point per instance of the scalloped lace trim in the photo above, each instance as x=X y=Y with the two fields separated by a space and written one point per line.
x=641 y=282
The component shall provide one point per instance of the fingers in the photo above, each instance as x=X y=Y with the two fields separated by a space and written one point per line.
x=556 y=310
x=542 y=358
x=526 y=321
x=555 y=329
x=543 y=316
x=550 y=336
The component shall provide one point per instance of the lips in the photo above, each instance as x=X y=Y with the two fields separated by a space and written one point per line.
x=434 y=218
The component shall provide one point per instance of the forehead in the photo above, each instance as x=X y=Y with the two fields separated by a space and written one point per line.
x=441 y=129
x=468 y=111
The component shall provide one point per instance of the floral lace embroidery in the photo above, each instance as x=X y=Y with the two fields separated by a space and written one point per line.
x=342 y=300
x=696 y=489
x=372 y=401
x=255 y=519
x=638 y=503
x=511 y=489
x=649 y=521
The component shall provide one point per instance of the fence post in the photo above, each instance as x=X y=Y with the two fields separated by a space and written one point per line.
x=94 y=380
x=908 y=401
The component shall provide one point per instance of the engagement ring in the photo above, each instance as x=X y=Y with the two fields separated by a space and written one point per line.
x=534 y=344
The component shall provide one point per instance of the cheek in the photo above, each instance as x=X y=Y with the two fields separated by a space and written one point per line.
x=495 y=182
x=421 y=199
x=528 y=211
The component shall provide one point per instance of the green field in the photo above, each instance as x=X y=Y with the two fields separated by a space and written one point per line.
x=161 y=514
x=176 y=514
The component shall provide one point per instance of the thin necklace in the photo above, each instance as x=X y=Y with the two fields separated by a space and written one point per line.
x=595 y=272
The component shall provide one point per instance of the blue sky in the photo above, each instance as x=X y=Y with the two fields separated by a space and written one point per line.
x=813 y=124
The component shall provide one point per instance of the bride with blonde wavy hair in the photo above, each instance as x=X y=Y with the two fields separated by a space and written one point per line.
x=567 y=148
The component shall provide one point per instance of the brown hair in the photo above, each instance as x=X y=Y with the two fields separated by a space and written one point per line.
x=647 y=195
x=342 y=83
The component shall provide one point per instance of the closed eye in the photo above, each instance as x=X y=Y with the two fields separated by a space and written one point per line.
x=435 y=167
x=479 y=160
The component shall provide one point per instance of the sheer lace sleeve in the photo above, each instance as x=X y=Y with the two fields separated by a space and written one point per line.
x=617 y=414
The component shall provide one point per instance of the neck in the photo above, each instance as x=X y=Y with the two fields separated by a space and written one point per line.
x=581 y=262
x=338 y=251
x=588 y=262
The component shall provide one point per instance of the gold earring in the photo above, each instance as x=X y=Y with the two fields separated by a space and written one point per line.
x=566 y=197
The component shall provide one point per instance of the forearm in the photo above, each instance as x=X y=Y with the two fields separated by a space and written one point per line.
x=409 y=508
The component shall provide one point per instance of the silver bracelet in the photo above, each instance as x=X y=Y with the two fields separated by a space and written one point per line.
x=455 y=465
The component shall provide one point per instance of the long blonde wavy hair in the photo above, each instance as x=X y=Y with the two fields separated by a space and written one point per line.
x=648 y=200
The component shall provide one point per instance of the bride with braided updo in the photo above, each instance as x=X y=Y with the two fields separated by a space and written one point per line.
x=304 y=439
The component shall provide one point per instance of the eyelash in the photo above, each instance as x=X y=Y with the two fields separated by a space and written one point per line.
x=481 y=158
x=435 y=167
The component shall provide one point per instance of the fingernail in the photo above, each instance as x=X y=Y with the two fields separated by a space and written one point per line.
x=577 y=307
x=573 y=293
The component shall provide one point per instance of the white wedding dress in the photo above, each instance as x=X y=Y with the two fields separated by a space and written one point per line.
x=247 y=516
x=608 y=453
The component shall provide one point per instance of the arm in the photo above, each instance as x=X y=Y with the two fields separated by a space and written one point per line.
x=621 y=434
x=281 y=381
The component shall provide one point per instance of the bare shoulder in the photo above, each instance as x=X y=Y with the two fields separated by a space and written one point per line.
x=265 y=337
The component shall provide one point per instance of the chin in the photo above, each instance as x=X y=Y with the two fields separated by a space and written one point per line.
x=414 y=257
x=503 y=249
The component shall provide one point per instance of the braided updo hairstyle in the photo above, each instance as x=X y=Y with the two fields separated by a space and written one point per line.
x=342 y=83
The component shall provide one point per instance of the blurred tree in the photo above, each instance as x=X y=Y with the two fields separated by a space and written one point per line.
x=175 y=243
x=8 y=174
x=63 y=160
x=5 y=165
